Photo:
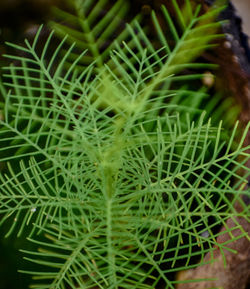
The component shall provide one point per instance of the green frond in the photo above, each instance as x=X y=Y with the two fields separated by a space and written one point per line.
x=172 y=48
x=93 y=25
x=127 y=186
x=92 y=19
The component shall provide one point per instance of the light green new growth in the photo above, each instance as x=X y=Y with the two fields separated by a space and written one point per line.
x=101 y=160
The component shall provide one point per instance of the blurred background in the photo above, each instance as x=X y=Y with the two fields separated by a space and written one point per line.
x=243 y=10
x=17 y=17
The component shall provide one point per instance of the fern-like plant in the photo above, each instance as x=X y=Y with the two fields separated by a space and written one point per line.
x=126 y=186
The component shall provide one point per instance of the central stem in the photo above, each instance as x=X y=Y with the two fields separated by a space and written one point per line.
x=111 y=255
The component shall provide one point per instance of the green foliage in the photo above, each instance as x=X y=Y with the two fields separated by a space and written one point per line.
x=178 y=44
x=102 y=160
x=93 y=26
